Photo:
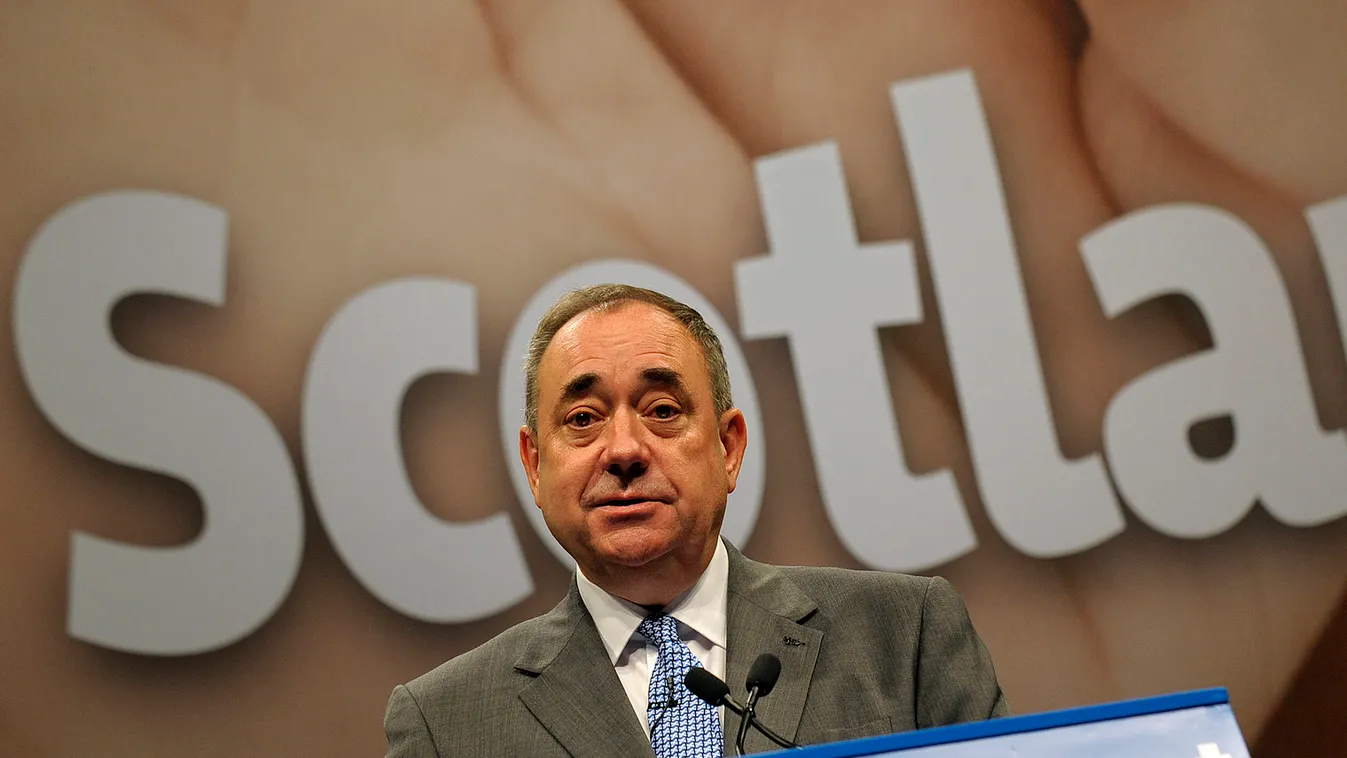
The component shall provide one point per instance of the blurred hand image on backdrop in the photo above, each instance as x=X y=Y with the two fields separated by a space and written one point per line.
x=499 y=143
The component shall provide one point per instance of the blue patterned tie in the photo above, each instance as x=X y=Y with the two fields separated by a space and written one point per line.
x=681 y=724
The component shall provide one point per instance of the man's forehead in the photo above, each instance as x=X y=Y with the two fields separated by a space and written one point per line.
x=624 y=325
x=631 y=329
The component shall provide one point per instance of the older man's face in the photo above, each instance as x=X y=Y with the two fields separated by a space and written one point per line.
x=630 y=463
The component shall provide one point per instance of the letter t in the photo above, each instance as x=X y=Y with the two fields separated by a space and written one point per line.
x=828 y=294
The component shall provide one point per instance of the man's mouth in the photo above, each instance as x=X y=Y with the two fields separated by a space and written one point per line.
x=622 y=502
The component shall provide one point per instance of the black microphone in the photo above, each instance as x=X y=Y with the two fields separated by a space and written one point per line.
x=762 y=676
x=709 y=688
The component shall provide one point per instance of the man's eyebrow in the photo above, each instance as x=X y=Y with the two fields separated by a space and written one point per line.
x=668 y=379
x=578 y=387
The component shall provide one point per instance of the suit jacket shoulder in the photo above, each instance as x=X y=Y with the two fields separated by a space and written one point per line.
x=894 y=651
x=887 y=607
x=474 y=677
x=544 y=687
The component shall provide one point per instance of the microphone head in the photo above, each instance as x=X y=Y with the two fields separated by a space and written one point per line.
x=706 y=685
x=764 y=672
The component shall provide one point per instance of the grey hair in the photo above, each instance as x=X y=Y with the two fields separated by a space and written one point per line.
x=602 y=297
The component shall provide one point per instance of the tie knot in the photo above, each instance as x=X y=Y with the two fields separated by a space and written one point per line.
x=660 y=628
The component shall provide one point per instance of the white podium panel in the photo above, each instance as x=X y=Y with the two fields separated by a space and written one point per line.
x=1197 y=724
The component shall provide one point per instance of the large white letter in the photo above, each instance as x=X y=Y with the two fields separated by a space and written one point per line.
x=1328 y=223
x=1041 y=503
x=372 y=350
x=742 y=510
x=220 y=587
x=828 y=294
x=1255 y=373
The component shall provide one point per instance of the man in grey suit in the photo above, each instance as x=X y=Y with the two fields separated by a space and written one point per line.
x=632 y=445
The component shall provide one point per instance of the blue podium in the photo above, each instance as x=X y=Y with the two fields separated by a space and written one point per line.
x=1198 y=724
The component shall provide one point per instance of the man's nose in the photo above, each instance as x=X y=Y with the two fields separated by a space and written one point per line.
x=625 y=455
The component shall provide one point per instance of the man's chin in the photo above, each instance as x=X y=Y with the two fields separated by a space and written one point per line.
x=632 y=557
x=632 y=551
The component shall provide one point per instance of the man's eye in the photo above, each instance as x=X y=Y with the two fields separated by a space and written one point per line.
x=664 y=412
x=582 y=419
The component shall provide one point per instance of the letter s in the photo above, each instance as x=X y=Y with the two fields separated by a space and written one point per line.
x=224 y=584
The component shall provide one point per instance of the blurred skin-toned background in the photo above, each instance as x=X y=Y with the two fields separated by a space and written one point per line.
x=500 y=142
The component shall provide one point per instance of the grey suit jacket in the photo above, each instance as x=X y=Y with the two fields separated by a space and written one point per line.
x=862 y=653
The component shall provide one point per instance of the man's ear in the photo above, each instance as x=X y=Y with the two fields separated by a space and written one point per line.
x=528 y=455
x=734 y=440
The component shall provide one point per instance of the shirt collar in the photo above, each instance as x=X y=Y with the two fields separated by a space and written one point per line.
x=702 y=607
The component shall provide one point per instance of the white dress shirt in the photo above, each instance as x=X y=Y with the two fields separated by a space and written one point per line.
x=700 y=612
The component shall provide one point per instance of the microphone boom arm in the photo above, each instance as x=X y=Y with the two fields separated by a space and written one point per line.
x=739 y=710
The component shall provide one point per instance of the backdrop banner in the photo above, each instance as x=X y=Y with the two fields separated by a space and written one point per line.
x=1045 y=297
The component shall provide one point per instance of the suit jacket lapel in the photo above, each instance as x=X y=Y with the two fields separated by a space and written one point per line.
x=766 y=612
x=575 y=693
